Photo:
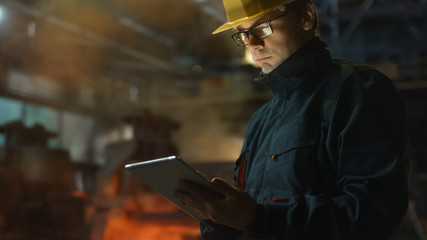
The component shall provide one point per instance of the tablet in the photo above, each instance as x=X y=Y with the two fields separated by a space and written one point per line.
x=163 y=175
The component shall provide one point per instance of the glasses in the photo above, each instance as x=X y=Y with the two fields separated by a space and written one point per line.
x=259 y=31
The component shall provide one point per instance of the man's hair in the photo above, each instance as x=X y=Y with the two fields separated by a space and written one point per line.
x=298 y=9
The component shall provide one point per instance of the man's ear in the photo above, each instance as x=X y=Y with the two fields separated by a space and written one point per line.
x=309 y=17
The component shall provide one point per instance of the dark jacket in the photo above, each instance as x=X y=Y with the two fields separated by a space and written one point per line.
x=324 y=157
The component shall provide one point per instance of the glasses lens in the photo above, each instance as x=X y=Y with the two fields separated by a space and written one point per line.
x=267 y=31
x=262 y=31
x=240 y=38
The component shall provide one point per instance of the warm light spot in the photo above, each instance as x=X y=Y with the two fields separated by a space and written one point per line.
x=80 y=194
x=122 y=227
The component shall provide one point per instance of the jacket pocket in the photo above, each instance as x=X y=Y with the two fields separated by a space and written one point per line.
x=276 y=196
x=293 y=152
x=296 y=133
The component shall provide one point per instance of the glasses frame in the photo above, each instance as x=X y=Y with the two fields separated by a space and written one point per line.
x=249 y=31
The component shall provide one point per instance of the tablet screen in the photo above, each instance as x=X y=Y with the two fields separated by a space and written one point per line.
x=163 y=175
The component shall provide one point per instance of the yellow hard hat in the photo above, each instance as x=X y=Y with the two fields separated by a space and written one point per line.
x=242 y=11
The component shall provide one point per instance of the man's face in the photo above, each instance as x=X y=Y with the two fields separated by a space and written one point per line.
x=288 y=35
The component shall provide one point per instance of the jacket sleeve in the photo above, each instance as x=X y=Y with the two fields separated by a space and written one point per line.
x=365 y=145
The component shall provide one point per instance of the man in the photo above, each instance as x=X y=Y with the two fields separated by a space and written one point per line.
x=323 y=159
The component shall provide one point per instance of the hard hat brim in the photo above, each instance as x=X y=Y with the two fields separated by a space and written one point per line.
x=229 y=25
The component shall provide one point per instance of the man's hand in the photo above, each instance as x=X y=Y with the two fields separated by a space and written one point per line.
x=227 y=205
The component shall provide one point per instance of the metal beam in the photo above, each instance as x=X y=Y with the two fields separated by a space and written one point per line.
x=355 y=21
x=128 y=20
x=92 y=36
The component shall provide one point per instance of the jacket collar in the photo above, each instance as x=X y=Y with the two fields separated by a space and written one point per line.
x=306 y=62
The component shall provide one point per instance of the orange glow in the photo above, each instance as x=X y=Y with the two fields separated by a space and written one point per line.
x=122 y=227
x=80 y=194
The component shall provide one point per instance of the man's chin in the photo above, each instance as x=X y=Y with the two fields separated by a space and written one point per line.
x=267 y=68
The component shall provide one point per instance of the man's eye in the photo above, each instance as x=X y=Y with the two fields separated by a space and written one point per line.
x=266 y=30
x=261 y=26
x=261 y=30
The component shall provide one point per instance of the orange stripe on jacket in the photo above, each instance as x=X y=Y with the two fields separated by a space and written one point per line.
x=241 y=174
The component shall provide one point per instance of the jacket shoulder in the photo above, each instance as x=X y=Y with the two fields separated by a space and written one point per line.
x=360 y=74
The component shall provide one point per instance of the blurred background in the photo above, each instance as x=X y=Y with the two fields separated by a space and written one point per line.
x=87 y=86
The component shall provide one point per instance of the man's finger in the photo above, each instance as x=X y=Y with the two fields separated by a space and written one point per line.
x=190 y=186
x=201 y=192
x=184 y=197
x=223 y=186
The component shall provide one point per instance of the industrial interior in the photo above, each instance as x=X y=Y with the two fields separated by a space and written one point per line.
x=88 y=86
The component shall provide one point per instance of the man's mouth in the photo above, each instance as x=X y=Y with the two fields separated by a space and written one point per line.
x=261 y=59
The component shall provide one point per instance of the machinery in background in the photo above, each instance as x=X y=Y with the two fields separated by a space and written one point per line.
x=37 y=188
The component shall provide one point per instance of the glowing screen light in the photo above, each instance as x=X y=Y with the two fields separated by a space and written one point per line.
x=1 y=14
